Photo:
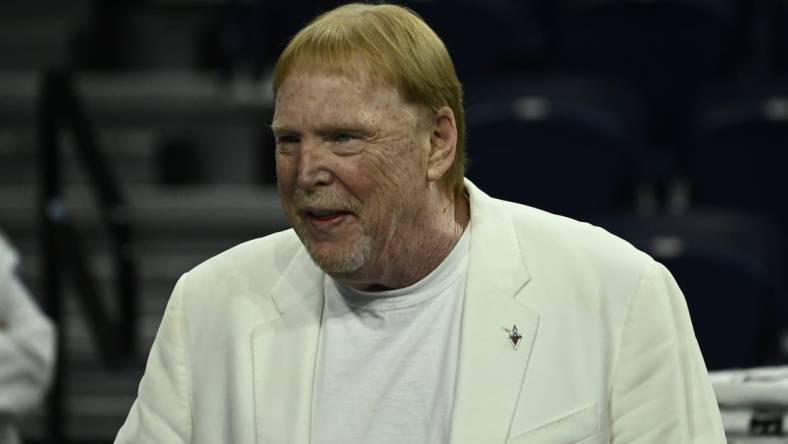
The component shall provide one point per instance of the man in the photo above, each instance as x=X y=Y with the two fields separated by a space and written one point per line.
x=27 y=348
x=406 y=305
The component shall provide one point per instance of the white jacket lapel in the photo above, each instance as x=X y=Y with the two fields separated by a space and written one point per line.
x=491 y=370
x=285 y=352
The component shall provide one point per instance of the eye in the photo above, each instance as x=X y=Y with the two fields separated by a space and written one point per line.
x=286 y=138
x=342 y=137
x=287 y=143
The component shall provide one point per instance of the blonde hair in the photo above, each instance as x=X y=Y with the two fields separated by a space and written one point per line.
x=394 y=46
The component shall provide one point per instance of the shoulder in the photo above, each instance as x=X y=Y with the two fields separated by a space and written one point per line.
x=247 y=271
x=556 y=238
x=274 y=250
x=580 y=264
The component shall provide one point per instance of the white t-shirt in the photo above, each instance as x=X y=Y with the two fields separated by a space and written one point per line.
x=387 y=361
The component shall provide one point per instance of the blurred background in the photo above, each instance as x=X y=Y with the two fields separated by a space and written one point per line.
x=134 y=144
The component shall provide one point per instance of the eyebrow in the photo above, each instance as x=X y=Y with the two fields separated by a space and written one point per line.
x=279 y=128
x=331 y=129
x=328 y=129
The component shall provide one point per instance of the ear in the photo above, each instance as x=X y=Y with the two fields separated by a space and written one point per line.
x=443 y=144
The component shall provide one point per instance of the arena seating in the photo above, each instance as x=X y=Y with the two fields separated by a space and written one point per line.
x=567 y=145
x=665 y=49
x=739 y=156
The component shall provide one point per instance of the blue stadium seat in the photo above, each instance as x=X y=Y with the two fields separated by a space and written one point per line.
x=254 y=32
x=485 y=38
x=665 y=48
x=740 y=155
x=482 y=36
x=779 y=43
x=729 y=266
x=565 y=145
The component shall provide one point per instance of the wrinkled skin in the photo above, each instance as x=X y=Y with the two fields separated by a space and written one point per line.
x=358 y=171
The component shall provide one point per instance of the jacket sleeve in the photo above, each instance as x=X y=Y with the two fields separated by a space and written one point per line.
x=162 y=411
x=27 y=348
x=660 y=391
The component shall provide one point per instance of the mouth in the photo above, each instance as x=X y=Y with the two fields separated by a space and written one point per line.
x=324 y=217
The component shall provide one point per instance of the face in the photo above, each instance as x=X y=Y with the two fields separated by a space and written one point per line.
x=351 y=165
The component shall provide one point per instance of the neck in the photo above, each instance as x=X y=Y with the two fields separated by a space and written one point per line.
x=423 y=245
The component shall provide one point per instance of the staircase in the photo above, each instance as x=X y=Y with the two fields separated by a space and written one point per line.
x=192 y=156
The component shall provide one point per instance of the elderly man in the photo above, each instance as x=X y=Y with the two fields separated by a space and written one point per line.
x=406 y=306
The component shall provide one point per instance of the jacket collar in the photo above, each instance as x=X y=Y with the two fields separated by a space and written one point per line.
x=302 y=279
x=284 y=351
x=495 y=247
x=490 y=369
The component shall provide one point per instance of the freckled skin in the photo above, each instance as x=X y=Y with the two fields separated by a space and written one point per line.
x=356 y=146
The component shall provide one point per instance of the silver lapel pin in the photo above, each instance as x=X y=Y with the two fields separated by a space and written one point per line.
x=514 y=336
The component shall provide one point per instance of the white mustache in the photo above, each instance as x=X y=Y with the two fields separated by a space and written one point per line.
x=328 y=199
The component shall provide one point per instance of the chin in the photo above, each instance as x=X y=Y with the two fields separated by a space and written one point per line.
x=340 y=261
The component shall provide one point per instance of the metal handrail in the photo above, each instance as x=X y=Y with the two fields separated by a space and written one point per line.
x=63 y=255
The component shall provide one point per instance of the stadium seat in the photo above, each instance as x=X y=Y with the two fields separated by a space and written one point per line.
x=565 y=145
x=779 y=34
x=664 y=48
x=484 y=38
x=740 y=157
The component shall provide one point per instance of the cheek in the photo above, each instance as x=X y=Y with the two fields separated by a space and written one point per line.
x=396 y=168
x=285 y=183
x=387 y=180
x=285 y=170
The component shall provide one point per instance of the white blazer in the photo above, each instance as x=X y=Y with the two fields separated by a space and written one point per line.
x=27 y=348
x=607 y=355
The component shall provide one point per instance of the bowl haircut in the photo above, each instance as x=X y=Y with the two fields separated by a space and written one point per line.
x=388 y=44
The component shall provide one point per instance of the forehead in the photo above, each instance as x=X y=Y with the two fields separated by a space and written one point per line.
x=313 y=96
x=307 y=86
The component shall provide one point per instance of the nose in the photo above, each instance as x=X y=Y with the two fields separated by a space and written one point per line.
x=313 y=168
